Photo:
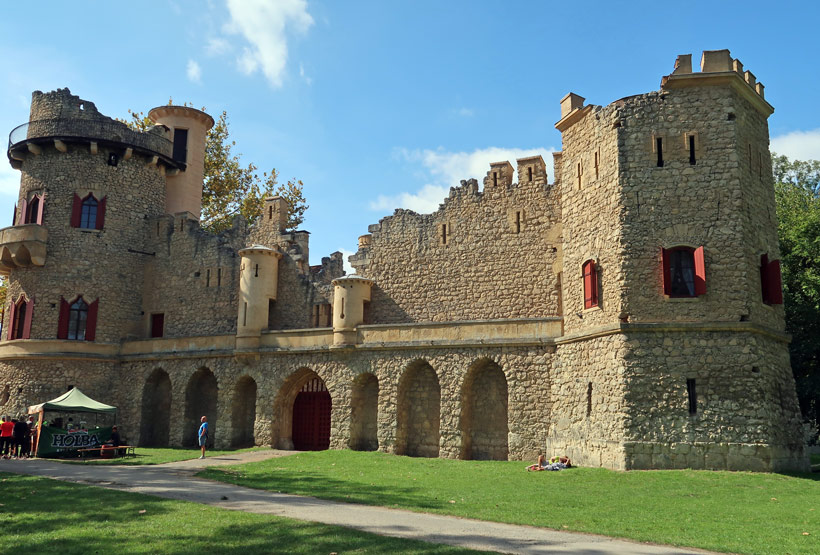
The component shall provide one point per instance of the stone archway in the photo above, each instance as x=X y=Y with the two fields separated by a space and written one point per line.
x=419 y=412
x=302 y=413
x=483 y=425
x=200 y=400
x=155 y=418
x=364 y=413
x=243 y=412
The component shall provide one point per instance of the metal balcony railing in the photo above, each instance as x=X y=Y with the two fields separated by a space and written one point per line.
x=90 y=129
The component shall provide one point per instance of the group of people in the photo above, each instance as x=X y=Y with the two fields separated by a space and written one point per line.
x=553 y=463
x=17 y=437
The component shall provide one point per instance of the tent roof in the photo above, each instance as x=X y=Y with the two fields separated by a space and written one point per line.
x=73 y=400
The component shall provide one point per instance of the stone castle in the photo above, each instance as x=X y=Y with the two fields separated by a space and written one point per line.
x=629 y=314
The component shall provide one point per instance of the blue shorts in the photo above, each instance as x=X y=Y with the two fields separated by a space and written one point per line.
x=202 y=440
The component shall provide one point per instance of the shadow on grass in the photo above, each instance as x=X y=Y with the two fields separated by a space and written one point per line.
x=316 y=484
x=45 y=516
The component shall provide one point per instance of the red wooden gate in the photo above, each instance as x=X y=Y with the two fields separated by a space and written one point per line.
x=311 y=417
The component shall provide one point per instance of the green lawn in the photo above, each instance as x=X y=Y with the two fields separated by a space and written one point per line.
x=46 y=516
x=159 y=455
x=721 y=511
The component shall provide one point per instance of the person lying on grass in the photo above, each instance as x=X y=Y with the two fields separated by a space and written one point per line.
x=554 y=463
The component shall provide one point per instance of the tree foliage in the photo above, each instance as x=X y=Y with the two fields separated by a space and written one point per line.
x=797 y=193
x=231 y=188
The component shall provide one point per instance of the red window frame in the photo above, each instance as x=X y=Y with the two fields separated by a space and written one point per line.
x=65 y=316
x=77 y=211
x=771 y=281
x=589 y=272
x=699 y=271
x=25 y=216
x=20 y=314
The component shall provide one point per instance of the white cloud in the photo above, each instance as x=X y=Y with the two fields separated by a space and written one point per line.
x=217 y=46
x=264 y=24
x=465 y=112
x=307 y=79
x=798 y=145
x=446 y=169
x=194 y=72
x=345 y=253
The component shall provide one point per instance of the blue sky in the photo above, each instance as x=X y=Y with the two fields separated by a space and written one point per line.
x=383 y=104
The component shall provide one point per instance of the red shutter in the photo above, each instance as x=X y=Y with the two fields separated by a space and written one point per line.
x=14 y=218
x=101 y=213
x=764 y=276
x=76 y=211
x=40 y=209
x=27 y=320
x=12 y=315
x=91 y=322
x=700 y=272
x=23 y=212
x=62 y=323
x=774 y=284
x=667 y=276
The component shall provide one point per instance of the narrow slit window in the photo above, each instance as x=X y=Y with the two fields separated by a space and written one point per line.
x=692 y=391
x=208 y=277
x=518 y=222
x=596 y=165
x=245 y=314
x=271 y=306
x=342 y=313
x=579 y=173
x=495 y=179
x=589 y=399
x=659 y=150
x=443 y=234
x=270 y=212
x=692 y=160
x=256 y=271
x=529 y=173
x=157 y=229
x=219 y=277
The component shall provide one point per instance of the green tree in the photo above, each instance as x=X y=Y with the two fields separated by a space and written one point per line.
x=797 y=193
x=230 y=187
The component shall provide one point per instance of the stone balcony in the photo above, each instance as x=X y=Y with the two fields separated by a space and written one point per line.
x=22 y=246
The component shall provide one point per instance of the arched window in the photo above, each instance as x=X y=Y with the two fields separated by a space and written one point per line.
x=684 y=272
x=590 y=272
x=20 y=319
x=78 y=319
x=88 y=212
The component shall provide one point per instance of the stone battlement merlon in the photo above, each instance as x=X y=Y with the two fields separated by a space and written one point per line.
x=717 y=67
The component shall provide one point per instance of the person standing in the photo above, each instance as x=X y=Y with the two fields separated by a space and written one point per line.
x=203 y=435
x=6 y=438
x=20 y=433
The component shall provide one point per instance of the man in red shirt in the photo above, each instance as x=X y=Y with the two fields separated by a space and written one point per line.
x=6 y=439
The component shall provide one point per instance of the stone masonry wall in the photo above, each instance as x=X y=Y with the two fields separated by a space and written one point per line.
x=747 y=415
x=485 y=268
x=591 y=217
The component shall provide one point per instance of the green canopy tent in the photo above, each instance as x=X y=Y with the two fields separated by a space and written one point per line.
x=73 y=400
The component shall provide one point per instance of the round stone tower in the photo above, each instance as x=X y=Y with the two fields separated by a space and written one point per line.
x=75 y=251
x=189 y=130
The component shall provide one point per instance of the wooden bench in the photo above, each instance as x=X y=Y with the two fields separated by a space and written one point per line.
x=127 y=451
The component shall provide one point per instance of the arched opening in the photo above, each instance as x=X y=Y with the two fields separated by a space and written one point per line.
x=364 y=413
x=243 y=412
x=419 y=412
x=302 y=413
x=200 y=400
x=484 y=413
x=156 y=410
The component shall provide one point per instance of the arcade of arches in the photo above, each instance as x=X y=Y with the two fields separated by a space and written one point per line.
x=303 y=414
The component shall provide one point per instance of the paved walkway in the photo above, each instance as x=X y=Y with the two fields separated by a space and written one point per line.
x=177 y=481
